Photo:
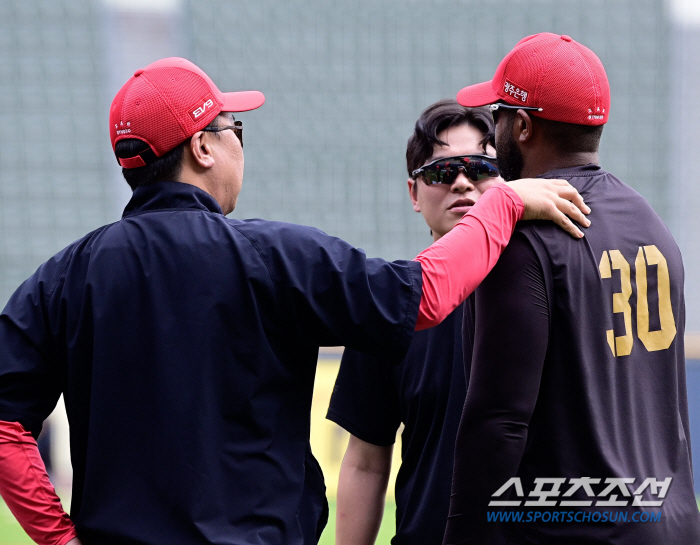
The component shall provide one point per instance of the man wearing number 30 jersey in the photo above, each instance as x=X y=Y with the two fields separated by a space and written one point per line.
x=575 y=424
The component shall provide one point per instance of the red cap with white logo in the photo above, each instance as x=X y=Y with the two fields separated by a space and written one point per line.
x=166 y=103
x=555 y=73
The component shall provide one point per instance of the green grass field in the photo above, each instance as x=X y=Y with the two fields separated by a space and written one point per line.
x=386 y=532
x=11 y=532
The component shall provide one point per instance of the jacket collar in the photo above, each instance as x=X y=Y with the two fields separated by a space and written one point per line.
x=170 y=196
x=573 y=172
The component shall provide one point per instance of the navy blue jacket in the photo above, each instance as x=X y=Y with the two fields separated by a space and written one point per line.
x=185 y=345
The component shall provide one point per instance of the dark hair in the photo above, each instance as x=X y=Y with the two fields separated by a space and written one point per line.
x=165 y=168
x=569 y=137
x=435 y=119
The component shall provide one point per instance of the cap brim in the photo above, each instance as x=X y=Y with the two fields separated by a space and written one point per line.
x=480 y=94
x=242 y=101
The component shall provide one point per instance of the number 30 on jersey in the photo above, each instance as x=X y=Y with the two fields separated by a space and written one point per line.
x=660 y=339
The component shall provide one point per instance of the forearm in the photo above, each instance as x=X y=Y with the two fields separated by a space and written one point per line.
x=456 y=264
x=489 y=451
x=27 y=491
x=361 y=491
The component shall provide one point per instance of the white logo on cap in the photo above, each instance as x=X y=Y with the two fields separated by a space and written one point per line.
x=514 y=91
x=203 y=108
x=597 y=115
x=123 y=130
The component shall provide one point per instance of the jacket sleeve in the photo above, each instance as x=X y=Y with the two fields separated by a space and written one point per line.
x=30 y=385
x=27 y=491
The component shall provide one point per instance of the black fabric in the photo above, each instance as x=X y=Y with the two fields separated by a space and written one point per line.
x=185 y=345
x=426 y=392
x=313 y=508
x=547 y=397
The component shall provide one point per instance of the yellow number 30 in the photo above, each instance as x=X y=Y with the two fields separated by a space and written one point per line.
x=652 y=340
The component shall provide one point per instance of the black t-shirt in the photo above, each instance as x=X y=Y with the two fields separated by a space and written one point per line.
x=426 y=392
x=185 y=345
x=577 y=385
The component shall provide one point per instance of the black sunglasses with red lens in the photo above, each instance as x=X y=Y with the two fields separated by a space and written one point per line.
x=237 y=129
x=446 y=169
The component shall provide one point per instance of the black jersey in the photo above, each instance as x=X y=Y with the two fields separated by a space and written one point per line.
x=425 y=392
x=575 y=425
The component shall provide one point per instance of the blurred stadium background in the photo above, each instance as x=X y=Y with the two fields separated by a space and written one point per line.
x=344 y=84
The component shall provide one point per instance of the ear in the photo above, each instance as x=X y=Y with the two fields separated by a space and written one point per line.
x=202 y=153
x=522 y=127
x=413 y=193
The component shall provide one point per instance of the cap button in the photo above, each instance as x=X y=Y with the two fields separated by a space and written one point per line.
x=138 y=72
x=566 y=38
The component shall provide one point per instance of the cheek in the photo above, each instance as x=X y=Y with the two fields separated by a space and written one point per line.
x=499 y=141
x=501 y=133
x=431 y=198
x=487 y=184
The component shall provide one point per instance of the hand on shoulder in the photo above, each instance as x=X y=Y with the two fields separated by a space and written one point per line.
x=552 y=199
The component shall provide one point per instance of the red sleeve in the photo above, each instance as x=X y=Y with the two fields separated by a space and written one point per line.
x=456 y=264
x=27 y=491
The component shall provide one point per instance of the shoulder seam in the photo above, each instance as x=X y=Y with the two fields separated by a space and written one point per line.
x=50 y=292
x=257 y=250
x=550 y=307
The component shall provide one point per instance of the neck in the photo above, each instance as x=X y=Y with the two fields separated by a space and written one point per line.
x=191 y=178
x=545 y=162
x=203 y=183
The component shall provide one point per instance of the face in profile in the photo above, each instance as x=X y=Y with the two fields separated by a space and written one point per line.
x=227 y=150
x=443 y=205
x=510 y=158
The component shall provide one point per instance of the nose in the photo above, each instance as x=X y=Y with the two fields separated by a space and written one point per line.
x=462 y=184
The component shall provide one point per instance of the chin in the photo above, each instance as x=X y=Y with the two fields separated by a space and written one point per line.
x=443 y=229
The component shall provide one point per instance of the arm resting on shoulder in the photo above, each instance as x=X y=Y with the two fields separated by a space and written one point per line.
x=364 y=475
x=456 y=264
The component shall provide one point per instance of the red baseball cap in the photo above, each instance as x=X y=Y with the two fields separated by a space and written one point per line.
x=166 y=103
x=552 y=72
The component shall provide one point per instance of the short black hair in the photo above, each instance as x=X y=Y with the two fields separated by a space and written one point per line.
x=570 y=137
x=165 y=168
x=438 y=117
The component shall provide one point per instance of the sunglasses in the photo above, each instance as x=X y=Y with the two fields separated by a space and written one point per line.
x=237 y=129
x=501 y=106
x=446 y=169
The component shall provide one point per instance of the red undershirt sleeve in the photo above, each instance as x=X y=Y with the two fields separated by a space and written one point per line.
x=27 y=491
x=456 y=264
